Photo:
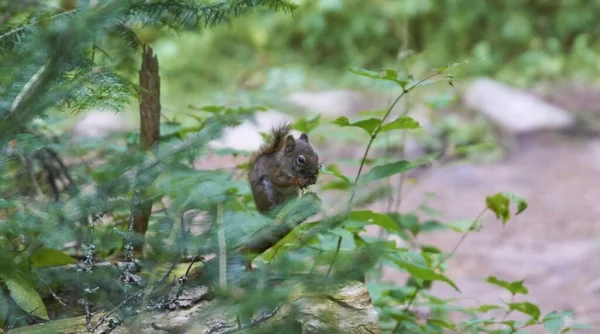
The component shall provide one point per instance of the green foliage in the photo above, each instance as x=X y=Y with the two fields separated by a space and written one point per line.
x=324 y=36
x=500 y=204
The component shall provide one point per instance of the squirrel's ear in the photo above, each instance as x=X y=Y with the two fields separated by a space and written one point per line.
x=304 y=137
x=290 y=144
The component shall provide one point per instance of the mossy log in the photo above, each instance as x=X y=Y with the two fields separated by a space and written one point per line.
x=347 y=309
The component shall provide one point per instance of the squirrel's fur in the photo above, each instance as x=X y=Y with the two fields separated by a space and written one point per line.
x=281 y=167
x=274 y=143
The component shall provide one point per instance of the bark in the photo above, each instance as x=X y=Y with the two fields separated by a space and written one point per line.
x=149 y=130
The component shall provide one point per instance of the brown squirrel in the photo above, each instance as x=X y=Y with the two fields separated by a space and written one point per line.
x=282 y=166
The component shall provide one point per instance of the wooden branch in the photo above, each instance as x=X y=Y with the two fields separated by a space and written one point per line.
x=290 y=216
x=149 y=130
x=345 y=309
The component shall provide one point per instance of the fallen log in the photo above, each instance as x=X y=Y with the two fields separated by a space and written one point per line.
x=346 y=309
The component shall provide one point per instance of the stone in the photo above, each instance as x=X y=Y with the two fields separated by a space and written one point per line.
x=99 y=124
x=513 y=110
x=340 y=102
x=247 y=135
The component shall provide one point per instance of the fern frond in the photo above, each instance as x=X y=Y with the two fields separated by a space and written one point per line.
x=14 y=35
x=188 y=14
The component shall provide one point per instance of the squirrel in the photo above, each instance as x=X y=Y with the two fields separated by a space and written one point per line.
x=281 y=167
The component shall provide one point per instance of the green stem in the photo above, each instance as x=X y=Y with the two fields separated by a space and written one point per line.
x=364 y=158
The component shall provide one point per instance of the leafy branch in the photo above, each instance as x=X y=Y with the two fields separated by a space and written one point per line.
x=379 y=125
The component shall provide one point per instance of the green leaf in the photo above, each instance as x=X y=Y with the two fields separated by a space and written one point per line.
x=48 y=257
x=577 y=327
x=462 y=225
x=515 y=287
x=499 y=204
x=440 y=101
x=527 y=308
x=424 y=273
x=385 y=74
x=521 y=203
x=383 y=171
x=3 y=308
x=430 y=249
x=377 y=218
x=335 y=171
x=4 y=204
x=386 y=222
x=212 y=109
x=307 y=125
x=24 y=294
x=442 y=323
x=401 y=123
x=487 y=307
x=409 y=221
x=369 y=124
x=432 y=225
x=553 y=322
x=387 y=170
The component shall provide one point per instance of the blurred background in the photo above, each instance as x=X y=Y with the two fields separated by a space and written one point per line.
x=522 y=115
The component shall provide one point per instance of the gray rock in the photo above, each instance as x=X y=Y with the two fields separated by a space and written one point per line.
x=513 y=110
x=247 y=135
x=99 y=124
x=339 y=102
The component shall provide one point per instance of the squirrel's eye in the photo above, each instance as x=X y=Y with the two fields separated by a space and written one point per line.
x=301 y=159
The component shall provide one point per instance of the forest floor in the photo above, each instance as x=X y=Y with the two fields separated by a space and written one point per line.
x=554 y=245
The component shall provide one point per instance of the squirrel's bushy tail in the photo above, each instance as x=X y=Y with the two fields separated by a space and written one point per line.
x=274 y=143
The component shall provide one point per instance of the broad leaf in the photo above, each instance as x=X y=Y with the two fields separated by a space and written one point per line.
x=520 y=202
x=401 y=123
x=553 y=322
x=3 y=308
x=385 y=74
x=25 y=295
x=515 y=287
x=527 y=308
x=4 y=204
x=442 y=323
x=307 y=125
x=424 y=273
x=500 y=205
x=487 y=307
x=462 y=225
x=48 y=257
x=387 y=170
x=335 y=171
x=377 y=218
x=369 y=124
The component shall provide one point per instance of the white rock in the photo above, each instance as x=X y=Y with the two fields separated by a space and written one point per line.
x=513 y=110
x=247 y=135
x=99 y=124
x=339 y=102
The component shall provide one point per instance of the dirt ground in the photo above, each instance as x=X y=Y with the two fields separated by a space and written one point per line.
x=554 y=245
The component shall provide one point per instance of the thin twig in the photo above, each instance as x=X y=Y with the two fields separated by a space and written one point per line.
x=222 y=248
x=105 y=316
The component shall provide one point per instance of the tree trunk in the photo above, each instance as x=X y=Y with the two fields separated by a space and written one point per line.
x=149 y=131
